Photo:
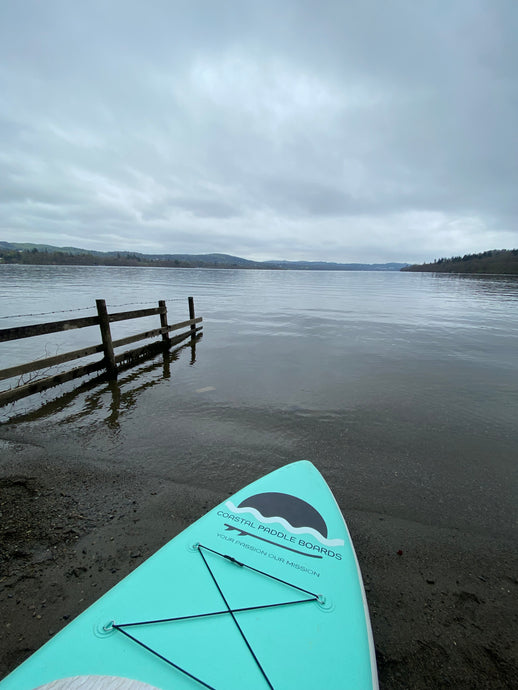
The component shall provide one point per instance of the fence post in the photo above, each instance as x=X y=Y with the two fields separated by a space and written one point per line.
x=192 y=316
x=163 y=322
x=104 y=325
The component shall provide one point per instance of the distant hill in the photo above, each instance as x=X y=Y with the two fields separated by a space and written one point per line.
x=28 y=246
x=18 y=253
x=492 y=261
x=331 y=266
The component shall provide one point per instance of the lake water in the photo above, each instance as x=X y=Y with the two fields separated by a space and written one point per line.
x=401 y=387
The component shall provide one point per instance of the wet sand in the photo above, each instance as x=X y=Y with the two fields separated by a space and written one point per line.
x=442 y=602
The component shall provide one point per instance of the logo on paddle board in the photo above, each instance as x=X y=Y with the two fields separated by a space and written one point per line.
x=297 y=518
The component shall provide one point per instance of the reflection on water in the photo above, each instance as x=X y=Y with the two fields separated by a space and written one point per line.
x=499 y=286
x=104 y=400
x=401 y=387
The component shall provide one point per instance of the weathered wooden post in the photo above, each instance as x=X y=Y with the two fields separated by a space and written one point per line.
x=192 y=316
x=163 y=323
x=104 y=325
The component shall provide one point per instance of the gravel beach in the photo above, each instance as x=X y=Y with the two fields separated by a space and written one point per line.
x=442 y=602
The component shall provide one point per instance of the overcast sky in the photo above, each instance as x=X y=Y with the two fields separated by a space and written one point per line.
x=270 y=129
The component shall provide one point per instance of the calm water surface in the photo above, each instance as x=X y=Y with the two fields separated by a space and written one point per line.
x=401 y=387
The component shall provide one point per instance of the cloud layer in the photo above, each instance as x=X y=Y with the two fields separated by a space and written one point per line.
x=358 y=131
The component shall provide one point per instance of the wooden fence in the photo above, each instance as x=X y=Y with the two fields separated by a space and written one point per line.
x=110 y=361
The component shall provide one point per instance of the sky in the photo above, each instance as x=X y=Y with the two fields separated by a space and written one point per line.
x=332 y=130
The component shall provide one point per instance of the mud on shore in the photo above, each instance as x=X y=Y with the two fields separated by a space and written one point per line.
x=443 y=604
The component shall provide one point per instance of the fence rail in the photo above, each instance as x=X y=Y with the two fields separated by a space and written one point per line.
x=110 y=362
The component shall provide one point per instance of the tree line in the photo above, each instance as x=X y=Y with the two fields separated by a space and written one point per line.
x=59 y=258
x=492 y=261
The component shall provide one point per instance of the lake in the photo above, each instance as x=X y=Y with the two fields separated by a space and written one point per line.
x=401 y=387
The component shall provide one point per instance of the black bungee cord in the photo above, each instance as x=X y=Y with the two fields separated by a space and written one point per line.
x=121 y=627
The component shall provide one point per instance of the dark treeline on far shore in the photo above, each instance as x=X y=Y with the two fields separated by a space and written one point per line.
x=60 y=258
x=493 y=261
x=12 y=253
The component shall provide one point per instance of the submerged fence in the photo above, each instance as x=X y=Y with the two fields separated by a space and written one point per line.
x=110 y=362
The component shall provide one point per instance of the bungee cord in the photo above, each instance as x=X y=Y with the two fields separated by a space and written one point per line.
x=311 y=596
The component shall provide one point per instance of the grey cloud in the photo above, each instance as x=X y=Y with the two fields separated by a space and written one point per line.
x=261 y=127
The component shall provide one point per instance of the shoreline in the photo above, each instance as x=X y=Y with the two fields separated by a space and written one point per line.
x=441 y=601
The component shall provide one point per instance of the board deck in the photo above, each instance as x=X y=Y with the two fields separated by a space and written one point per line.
x=262 y=592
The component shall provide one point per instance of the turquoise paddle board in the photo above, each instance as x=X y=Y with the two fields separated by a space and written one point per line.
x=263 y=592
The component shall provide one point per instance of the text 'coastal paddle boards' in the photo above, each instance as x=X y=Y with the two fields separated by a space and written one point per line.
x=262 y=592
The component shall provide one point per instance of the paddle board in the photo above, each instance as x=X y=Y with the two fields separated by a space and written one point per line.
x=262 y=592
